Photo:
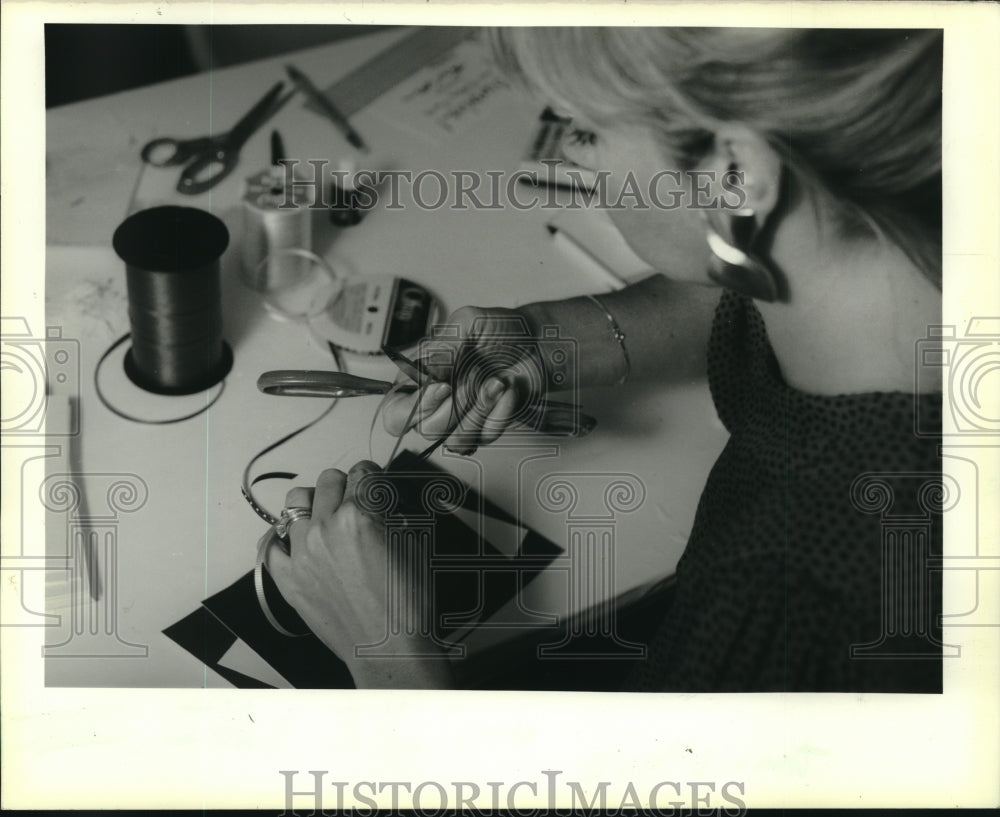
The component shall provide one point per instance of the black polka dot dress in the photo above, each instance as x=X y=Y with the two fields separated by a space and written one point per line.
x=808 y=566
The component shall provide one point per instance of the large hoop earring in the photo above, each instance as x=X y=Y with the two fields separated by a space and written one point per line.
x=733 y=264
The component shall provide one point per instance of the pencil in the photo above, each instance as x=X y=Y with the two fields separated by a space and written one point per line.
x=329 y=110
x=89 y=538
x=614 y=280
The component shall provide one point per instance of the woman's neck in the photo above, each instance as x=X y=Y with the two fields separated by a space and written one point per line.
x=854 y=315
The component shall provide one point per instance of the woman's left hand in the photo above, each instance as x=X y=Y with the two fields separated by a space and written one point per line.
x=338 y=579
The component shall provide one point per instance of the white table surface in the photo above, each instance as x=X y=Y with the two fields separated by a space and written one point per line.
x=195 y=534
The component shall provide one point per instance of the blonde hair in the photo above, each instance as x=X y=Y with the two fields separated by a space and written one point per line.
x=854 y=114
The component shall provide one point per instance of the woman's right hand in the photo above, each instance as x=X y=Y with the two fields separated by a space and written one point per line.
x=489 y=367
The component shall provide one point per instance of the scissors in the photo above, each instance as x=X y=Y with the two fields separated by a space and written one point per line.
x=545 y=416
x=210 y=159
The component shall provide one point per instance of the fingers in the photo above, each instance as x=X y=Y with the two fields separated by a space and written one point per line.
x=484 y=380
x=299 y=498
x=333 y=489
x=329 y=494
x=357 y=473
x=500 y=416
x=475 y=419
x=439 y=421
x=485 y=419
x=397 y=410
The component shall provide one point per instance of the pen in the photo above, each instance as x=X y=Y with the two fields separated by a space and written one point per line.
x=277 y=148
x=326 y=106
x=614 y=280
x=88 y=536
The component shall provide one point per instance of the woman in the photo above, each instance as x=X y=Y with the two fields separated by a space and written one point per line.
x=829 y=268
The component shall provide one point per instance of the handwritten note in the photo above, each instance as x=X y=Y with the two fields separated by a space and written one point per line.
x=449 y=94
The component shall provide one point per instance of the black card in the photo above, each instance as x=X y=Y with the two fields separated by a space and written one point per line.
x=471 y=579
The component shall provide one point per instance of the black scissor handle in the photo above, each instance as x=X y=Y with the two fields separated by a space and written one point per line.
x=212 y=158
x=207 y=170
x=167 y=151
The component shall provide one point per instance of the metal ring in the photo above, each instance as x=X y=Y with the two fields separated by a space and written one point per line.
x=288 y=517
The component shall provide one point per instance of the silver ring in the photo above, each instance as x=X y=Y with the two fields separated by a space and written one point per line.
x=290 y=516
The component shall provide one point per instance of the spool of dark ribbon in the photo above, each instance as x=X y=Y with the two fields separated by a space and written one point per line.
x=171 y=257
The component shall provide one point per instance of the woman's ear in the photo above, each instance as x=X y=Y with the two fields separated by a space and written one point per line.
x=737 y=231
x=739 y=149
